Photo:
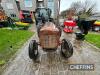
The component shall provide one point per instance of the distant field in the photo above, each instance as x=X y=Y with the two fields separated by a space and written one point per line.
x=94 y=39
x=10 y=42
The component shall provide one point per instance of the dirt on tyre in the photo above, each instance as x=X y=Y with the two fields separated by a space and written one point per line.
x=66 y=48
x=33 y=50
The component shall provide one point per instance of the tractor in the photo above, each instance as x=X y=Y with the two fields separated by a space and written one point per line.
x=49 y=35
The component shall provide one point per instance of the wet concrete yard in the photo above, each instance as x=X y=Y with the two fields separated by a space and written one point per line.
x=53 y=63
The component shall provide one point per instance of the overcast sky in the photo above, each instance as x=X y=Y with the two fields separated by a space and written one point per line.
x=65 y=4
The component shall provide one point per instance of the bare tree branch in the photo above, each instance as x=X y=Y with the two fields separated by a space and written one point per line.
x=84 y=9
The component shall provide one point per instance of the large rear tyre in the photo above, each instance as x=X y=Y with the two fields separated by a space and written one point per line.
x=66 y=48
x=33 y=50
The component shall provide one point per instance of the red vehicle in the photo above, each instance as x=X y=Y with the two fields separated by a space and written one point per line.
x=26 y=16
x=68 y=26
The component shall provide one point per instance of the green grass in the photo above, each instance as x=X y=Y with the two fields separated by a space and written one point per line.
x=93 y=39
x=10 y=42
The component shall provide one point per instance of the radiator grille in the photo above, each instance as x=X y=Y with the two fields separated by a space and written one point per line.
x=49 y=41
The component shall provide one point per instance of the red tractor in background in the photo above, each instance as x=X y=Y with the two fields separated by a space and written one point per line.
x=26 y=16
x=69 y=24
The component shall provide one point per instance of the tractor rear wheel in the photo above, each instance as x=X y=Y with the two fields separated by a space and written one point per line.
x=33 y=50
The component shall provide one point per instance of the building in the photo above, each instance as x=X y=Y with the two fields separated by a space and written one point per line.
x=10 y=8
x=29 y=5
x=54 y=6
x=95 y=16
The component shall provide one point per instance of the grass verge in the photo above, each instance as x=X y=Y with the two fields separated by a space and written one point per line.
x=10 y=42
x=93 y=39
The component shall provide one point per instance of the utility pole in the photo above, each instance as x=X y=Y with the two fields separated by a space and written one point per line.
x=58 y=11
x=0 y=4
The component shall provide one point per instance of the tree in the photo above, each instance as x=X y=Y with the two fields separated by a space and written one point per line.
x=63 y=13
x=83 y=9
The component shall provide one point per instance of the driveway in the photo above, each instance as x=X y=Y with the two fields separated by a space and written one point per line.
x=53 y=63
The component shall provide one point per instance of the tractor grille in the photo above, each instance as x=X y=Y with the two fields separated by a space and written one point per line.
x=49 y=41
